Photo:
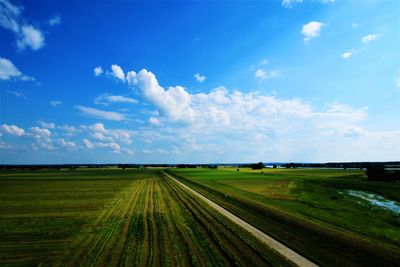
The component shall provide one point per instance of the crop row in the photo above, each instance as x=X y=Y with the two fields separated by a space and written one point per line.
x=154 y=222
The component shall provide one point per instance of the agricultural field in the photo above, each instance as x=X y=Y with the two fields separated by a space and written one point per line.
x=110 y=217
x=334 y=217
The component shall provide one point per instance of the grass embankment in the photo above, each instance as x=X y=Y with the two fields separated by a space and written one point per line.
x=116 y=217
x=309 y=211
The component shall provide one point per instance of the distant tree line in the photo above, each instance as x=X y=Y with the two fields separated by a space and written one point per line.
x=254 y=166
x=342 y=165
x=383 y=173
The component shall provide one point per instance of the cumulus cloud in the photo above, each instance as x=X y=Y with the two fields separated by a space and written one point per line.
x=68 y=129
x=42 y=138
x=27 y=35
x=47 y=125
x=99 y=132
x=311 y=30
x=66 y=144
x=251 y=113
x=117 y=72
x=9 y=71
x=262 y=74
x=289 y=3
x=31 y=37
x=369 y=38
x=174 y=101
x=37 y=132
x=101 y=114
x=55 y=20
x=105 y=99
x=88 y=144
x=92 y=145
x=98 y=71
x=154 y=121
x=347 y=54
x=12 y=130
x=55 y=103
x=200 y=78
x=102 y=137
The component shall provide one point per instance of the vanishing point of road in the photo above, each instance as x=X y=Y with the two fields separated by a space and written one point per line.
x=266 y=239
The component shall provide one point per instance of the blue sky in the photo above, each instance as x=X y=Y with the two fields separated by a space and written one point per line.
x=199 y=81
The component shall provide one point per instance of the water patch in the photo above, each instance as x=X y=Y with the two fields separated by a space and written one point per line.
x=376 y=200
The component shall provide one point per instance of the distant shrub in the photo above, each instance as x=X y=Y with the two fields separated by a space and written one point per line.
x=258 y=166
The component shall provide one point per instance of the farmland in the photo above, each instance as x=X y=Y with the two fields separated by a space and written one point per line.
x=310 y=210
x=109 y=217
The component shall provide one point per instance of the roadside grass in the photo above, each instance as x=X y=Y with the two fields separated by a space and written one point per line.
x=114 y=217
x=309 y=210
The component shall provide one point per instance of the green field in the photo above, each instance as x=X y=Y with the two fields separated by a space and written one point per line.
x=309 y=210
x=109 y=217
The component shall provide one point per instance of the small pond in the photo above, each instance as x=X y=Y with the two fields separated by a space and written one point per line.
x=376 y=200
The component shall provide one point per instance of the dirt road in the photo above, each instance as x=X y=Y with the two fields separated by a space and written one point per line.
x=269 y=241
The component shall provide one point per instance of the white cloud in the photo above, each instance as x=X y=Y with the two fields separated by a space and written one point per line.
x=264 y=62
x=55 y=103
x=27 y=78
x=311 y=30
x=117 y=72
x=242 y=118
x=68 y=129
x=66 y=144
x=369 y=38
x=262 y=74
x=12 y=130
x=42 y=138
x=154 y=121
x=347 y=54
x=37 y=132
x=105 y=99
x=47 y=125
x=55 y=20
x=101 y=114
x=200 y=78
x=99 y=132
x=8 y=15
x=98 y=71
x=8 y=70
x=30 y=37
x=15 y=93
x=289 y=3
x=27 y=35
x=174 y=102
x=102 y=137
x=98 y=127
x=92 y=145
x=88 y=144
x=397 y=82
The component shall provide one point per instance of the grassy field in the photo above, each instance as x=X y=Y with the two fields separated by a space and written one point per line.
x=109 y=217
x=309 y=210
